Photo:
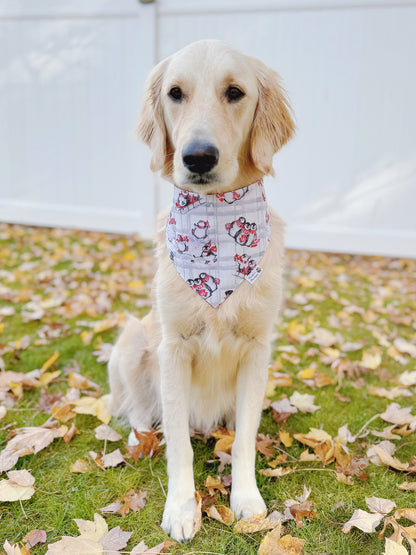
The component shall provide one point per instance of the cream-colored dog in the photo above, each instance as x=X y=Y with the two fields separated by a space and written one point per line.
x=213 y=119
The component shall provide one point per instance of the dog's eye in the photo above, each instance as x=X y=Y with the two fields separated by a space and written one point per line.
x=233 y=94
x=176 y=94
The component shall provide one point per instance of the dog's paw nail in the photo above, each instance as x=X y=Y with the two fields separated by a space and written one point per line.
x=178 y=520
x=248 y=505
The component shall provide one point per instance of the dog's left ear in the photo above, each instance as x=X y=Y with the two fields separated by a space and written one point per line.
x=273 y=125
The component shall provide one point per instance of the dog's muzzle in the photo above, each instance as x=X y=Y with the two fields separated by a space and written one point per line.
x=200 y=157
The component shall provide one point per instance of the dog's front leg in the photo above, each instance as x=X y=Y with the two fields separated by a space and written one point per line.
x=252 y=376
x=175 y=377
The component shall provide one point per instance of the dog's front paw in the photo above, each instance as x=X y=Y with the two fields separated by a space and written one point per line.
x=179 y=518
x=245 y=504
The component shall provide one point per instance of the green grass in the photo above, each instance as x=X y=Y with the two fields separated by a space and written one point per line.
x=380 y=286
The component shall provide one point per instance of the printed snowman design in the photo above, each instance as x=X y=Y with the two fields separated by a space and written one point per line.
x=245 y=264
x=200 y=229
x=204 y=284
x=244 y=233
x=232 y=196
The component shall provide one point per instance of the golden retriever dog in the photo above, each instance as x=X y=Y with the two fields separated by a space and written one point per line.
x=213 y=119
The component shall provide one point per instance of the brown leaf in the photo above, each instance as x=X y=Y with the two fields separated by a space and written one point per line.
x=263 y=443
x=73 y=430
x=131 y=501
x=148 y=445
x=213 y=484
x=34 y=537
x=300 y=510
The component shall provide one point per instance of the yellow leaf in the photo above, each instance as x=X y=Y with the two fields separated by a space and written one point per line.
x=255 y=523
x=63 y=413
x=288 y=545
x=306 y=374
x=221 y=513
x=86 y=337
x=91 y=405
x=130 y=256
x=79 y=467
x=1 y=327
x=17 y=389
x=50 y=361
x=295 y=331
x=371 y=358
x=268 y=543
x=47 y=377
x=285 y=438
x=225 y=440
x=313 y=438
x=388 y=460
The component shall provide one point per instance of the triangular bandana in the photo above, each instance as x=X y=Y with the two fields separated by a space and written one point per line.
x=217 y=241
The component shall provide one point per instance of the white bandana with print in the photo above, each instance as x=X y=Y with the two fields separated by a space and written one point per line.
x=217 y=241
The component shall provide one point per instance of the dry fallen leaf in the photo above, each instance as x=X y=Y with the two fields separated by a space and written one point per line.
x=225 y=440
x=106 y=433
x=268 y=545
x=380 y=505
x=255 y=523
x=79 y=467
x=407 y=486
x=367 y=522
x=14 y=549
x=221 y=513
x=34 y=537
x=388 y=460
x=18 y=486
x=303 y=402
x=94 y=406
x=213 y=484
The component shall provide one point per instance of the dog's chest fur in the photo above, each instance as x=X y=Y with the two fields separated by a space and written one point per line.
x=217 y=339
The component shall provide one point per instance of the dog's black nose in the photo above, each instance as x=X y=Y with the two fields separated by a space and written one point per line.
x=200 y=157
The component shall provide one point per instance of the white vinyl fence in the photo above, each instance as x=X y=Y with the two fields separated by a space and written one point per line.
x=71 y=80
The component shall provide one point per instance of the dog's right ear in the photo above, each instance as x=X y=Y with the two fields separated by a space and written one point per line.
x=151 y=128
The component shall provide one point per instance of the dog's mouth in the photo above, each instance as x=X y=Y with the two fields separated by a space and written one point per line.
x=202 y=178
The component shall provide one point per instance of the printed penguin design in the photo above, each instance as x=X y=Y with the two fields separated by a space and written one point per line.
x=245 y=264
x=200 y=229
x=182 y=243
x=205 y=285
x=243 y=232
x=209 y=252
x=217 y=241
x=187 y=200
x=232 y=196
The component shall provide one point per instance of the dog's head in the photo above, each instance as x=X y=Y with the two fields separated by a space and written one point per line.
x=214 y=118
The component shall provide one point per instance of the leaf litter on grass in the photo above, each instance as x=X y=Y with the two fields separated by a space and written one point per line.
x=344 y=360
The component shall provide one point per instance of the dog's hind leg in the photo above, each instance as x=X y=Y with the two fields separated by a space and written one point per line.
x=134 y=377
